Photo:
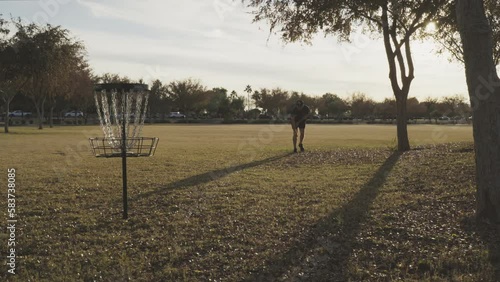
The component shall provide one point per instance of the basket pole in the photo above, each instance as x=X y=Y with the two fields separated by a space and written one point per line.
x=124 y=155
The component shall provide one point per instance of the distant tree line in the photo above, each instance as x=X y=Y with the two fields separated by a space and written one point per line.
x=190 y=97
x=277 y=102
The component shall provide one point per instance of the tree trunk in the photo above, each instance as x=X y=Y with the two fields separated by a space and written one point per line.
x=39 y=116
x=7 y=98
x=51 y=117
x=484 y=91
x=401 y=121
x=400 y=92
x=7 y=118
x=40 y=111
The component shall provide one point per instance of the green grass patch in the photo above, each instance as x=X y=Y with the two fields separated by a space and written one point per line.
x=231 y=203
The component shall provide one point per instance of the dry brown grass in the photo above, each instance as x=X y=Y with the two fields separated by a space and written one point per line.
x=230 y=203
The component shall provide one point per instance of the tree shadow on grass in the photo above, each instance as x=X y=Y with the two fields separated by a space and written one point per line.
x=490 y=235
x=207 y=177
x=324 y=252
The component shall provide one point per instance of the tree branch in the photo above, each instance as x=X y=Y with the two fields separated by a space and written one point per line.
x=409 y=60
x=389 y=52
x=364 y=15
x=454 y=47
x=399 y=57
x=395 y=17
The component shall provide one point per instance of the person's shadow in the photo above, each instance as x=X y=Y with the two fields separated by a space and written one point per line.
x=327 y=247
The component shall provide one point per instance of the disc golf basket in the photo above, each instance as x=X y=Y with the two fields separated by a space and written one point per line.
x=121 y=108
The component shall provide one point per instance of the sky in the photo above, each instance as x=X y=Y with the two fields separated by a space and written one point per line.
x=216 y=42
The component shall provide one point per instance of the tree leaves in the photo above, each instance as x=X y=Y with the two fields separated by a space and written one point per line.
x=448 y=37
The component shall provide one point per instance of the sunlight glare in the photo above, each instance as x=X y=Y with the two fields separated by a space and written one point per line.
x=431 y=27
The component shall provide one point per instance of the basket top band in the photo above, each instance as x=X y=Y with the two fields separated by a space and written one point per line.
x=120 y=139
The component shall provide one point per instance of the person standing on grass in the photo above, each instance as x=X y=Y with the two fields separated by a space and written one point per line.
x=299 y=115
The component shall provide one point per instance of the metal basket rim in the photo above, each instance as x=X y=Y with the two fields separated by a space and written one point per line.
x=108 y=151
x=116 y=138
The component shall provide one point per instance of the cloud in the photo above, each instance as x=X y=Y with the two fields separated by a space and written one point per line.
x=188 y=15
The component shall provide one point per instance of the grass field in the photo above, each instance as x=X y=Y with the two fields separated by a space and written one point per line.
x=231 y=203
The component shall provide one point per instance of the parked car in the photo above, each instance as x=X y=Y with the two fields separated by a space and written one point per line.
x=176 y=115
x=444 y=118
x=19 y=113
x=73 y=114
